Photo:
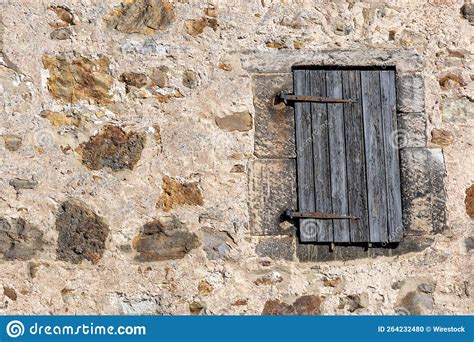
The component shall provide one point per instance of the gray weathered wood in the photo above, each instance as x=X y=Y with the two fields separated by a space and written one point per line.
x=389 y=115
x=307 y=252
x=337 y=155
x=304 y=151
x=355 y=157
x=347 y=160
x=375 y=159
x=322 y=173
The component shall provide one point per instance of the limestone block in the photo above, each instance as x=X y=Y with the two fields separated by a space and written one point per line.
x=272 y=190
x=274 y=123
x=410 y=93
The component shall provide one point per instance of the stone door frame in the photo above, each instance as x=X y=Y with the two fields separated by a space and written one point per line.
x=422 y=168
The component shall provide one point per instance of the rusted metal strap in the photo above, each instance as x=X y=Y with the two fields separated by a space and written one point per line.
x=283 y=97
x=317 y=215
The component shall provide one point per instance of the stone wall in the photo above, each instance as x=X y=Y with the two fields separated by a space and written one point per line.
x=144 y=165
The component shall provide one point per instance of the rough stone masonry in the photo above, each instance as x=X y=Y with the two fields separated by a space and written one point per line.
x=141 y=151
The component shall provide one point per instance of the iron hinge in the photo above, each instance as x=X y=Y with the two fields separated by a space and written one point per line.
x=317 y=215
x=284 y=97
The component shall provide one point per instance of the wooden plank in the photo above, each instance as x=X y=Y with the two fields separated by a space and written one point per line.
x=375 y=159
x=392 y=166
x=322 y=172
x=307 y=252
x=304 y=153
x=337 y=155
x=355 y=156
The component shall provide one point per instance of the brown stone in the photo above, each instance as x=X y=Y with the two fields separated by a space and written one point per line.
x=413 y=39
x=415 y=303
x=303 y=306
x=61 y=34
x=166 y=98
x=65 y=16
x=275 y=45
x=204 y=288
x=210 y=12
x=176 y=193
x=238 y=168
x=277 y=308
x=451 y=80
x=196 y=308
x=141 y=16
x=307 y=305
x=225 y=66
x=467 y=11
x=10 y=292
x=240 y=302
x=19 y=240
x=441 y=137
x=196 y=27
x=78 y=79
x=269 y=279
x=12 y=142
x=82 y=233
x=354 y=302
x=134 y=79
x=469 y=201
x=241 y=121
x=298 y=44
x=332 y=282
x=113 y=148
x=457 y=53
x=164 y=239
x=60 y=119
x=415 y=296
x=159 y=76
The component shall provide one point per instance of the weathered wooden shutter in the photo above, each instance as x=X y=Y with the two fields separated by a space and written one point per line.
x=347 y=158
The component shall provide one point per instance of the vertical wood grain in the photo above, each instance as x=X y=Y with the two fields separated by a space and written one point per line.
x=337 y=154
x=392 y=166
x=355 y=156
x=375 y=159
x=322 y=172
x=304 y=151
